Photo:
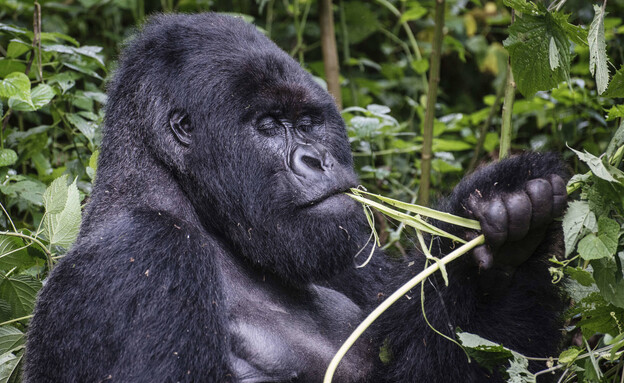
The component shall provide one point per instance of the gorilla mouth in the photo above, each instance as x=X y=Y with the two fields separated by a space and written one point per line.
x=325 y=197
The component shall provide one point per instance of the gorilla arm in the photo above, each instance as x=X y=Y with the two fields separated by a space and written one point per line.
x=504 y=293
x=140 y=303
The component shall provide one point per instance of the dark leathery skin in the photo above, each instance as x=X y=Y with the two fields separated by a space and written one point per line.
x=514 y=224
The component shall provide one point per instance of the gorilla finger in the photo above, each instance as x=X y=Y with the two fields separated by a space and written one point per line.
x=519 y=214
x=540 y=193
x=560 y=195
x=482 y=255
x=494 y=222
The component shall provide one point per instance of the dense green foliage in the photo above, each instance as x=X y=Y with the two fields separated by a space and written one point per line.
x=567 y=62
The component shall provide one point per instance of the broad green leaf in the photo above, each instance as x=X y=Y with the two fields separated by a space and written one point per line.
x=9 y=367
x=7 y=157
x=529 y=44
x=568 y=356
x=85 y=127
x=577 y=218
x=488 y=354
x=61 y=229
x=15 y=85
x=583 y=277
x=602 y=244
x=21 y=104
x=13 y=254
x=521 y=6
x=92 y=168
x=444 y=145
x=598 y=50
x=20 y=292
x=41 y=95
x=610 y=281
x=17 y=48
x=596 y=165
x=10 y=338
x=616 y=87
x=55 y=196
x=30 y=190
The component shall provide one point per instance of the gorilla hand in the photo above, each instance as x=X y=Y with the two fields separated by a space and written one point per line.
x=515 y=223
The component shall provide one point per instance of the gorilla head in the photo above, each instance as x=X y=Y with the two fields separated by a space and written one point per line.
x=256 y=146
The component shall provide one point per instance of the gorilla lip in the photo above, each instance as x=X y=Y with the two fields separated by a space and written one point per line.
x=325 y=197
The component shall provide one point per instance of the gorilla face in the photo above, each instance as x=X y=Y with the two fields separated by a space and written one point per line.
x=268 y=160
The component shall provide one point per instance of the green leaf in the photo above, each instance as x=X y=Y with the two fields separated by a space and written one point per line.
x=420 y=66
x=577 y=219
x=596 y=165
x=30 y=190
x=518 y=371
x=604 y=243
x=529 y=42
x=583 y=277
x=616 y=141
x=610 y=280
x=14 y=254
x=17 y=48
x=521 y=6
x=553 y=54
x=20 y=292
x=616 y=111
x=41 y=95
x=15 y=85
x=61 y=229
x=10 y=338
x=9 y=367
x=55 y=196
x=85 y=127
x=598 y=50
x=7 y=157
x=488 y=354
x=616 y=87
x=568 y=356
x=415 y=12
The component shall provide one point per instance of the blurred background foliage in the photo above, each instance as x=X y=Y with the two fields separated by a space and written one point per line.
x=56 y=56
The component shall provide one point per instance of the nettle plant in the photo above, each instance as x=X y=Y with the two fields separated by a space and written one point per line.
x=49 y=102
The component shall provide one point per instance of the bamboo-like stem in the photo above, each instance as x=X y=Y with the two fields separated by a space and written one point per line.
x=329 y=374
x=432 y=95
x=330 y=52
x=510 y=94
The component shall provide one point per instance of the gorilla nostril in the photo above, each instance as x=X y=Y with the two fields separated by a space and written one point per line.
x=312 y=162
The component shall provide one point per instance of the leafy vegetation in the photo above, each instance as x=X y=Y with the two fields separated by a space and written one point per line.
x=565 y=58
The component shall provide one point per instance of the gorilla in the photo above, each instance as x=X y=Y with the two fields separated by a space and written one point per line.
x=218 y=245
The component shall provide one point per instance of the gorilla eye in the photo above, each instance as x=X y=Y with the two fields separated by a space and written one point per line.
x=269 y=126
x=305 y=124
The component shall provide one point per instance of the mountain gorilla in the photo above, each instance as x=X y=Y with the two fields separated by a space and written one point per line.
x=218 y=245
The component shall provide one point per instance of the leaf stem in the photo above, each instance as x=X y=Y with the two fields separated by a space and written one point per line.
x=393 y=298
x=16 y=320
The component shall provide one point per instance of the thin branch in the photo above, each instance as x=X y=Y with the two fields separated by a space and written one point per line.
x=330 y=52
x=510 y=94
x=432 y=94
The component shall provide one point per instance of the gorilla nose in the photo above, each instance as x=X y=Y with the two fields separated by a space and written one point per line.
x=311 y=161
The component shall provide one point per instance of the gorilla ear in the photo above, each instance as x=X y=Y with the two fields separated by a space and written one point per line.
x=181 y=127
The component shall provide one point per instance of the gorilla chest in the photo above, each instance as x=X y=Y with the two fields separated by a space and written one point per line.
x=281 y=335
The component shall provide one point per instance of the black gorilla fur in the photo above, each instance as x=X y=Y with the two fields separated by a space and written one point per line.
x=218 y=245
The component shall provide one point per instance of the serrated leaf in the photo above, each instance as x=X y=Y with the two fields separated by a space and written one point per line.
x=528 y=45
x=487 y=353
x=518 y=371
x=15 y=85
x=610 y=281
x=553 y=54
x=7 y=157
x=61 y=229
x=616 y=111
x=598 y=50
x=55 y=196
x=576 y=219
x=596 y=165
x=569 y=356
x=20 y=292
x=521 y=6
x=616 y=87
x=602 y=244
